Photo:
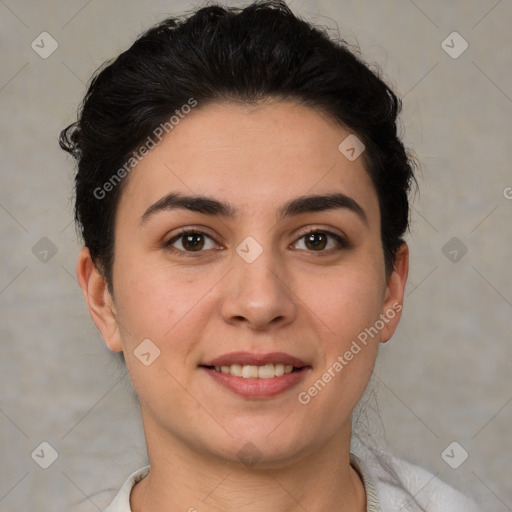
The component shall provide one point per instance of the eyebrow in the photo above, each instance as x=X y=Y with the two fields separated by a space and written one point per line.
x=210 y=206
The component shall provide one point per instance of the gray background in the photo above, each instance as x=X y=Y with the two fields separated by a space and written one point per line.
x=444 y=377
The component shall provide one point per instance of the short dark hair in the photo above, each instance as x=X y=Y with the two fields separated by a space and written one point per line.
x=221 y=54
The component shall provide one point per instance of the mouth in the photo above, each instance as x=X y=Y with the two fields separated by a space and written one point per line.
x=257 y=376
x=249 y=371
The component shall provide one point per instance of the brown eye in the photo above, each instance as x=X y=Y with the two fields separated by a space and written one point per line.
x=190 y=241
x=193 y=242
x=316 y=241
x=321 y=241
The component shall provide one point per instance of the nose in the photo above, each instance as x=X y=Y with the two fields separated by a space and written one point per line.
x=259 y=295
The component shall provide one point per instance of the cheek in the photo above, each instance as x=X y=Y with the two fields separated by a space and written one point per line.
x=347 y=306
x=346 y=300
x=154 y=301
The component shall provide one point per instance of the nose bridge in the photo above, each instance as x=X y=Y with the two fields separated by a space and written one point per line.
x=260 y=275
x=258 y=291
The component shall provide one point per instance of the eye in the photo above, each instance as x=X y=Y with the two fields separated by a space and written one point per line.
x=191 y=241
x=320 y=241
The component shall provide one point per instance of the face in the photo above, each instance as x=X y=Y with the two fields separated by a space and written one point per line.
x=248 y=256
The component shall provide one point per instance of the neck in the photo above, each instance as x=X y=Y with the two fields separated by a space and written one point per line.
x=181 y=479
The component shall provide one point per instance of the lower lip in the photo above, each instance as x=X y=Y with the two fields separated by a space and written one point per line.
x=258 y=388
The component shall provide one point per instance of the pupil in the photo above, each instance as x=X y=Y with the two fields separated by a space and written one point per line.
x=316 y=241
x=194 y=242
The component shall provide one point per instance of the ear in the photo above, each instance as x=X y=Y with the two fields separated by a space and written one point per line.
x=100 y=302
x=394 y=297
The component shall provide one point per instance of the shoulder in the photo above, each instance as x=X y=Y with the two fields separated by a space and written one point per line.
x=121 y=502
x=428 y=490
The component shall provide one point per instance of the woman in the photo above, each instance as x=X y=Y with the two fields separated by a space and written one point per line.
x=242 y=195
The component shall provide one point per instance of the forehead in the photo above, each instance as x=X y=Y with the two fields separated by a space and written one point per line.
x=254 y=157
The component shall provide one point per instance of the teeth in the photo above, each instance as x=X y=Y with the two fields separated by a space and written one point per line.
x=266 y=372
x=235 y=369
x=279 y=369
x=247 y=371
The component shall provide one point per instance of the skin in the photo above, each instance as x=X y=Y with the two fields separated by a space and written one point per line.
x=308 y=301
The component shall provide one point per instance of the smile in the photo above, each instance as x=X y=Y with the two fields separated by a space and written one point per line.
x=257 y=376
x=267 y=371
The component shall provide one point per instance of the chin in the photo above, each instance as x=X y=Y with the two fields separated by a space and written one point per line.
x=262 y=444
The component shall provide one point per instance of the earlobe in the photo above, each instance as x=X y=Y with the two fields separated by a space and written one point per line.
x=393 y=303
x=99 y=300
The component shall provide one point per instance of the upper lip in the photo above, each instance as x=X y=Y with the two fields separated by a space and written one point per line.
x=248 y=358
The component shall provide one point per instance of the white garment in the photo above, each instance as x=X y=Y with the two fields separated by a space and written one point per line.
x=430 y=492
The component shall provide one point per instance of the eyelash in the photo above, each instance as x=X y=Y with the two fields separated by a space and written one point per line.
x=342 y=243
